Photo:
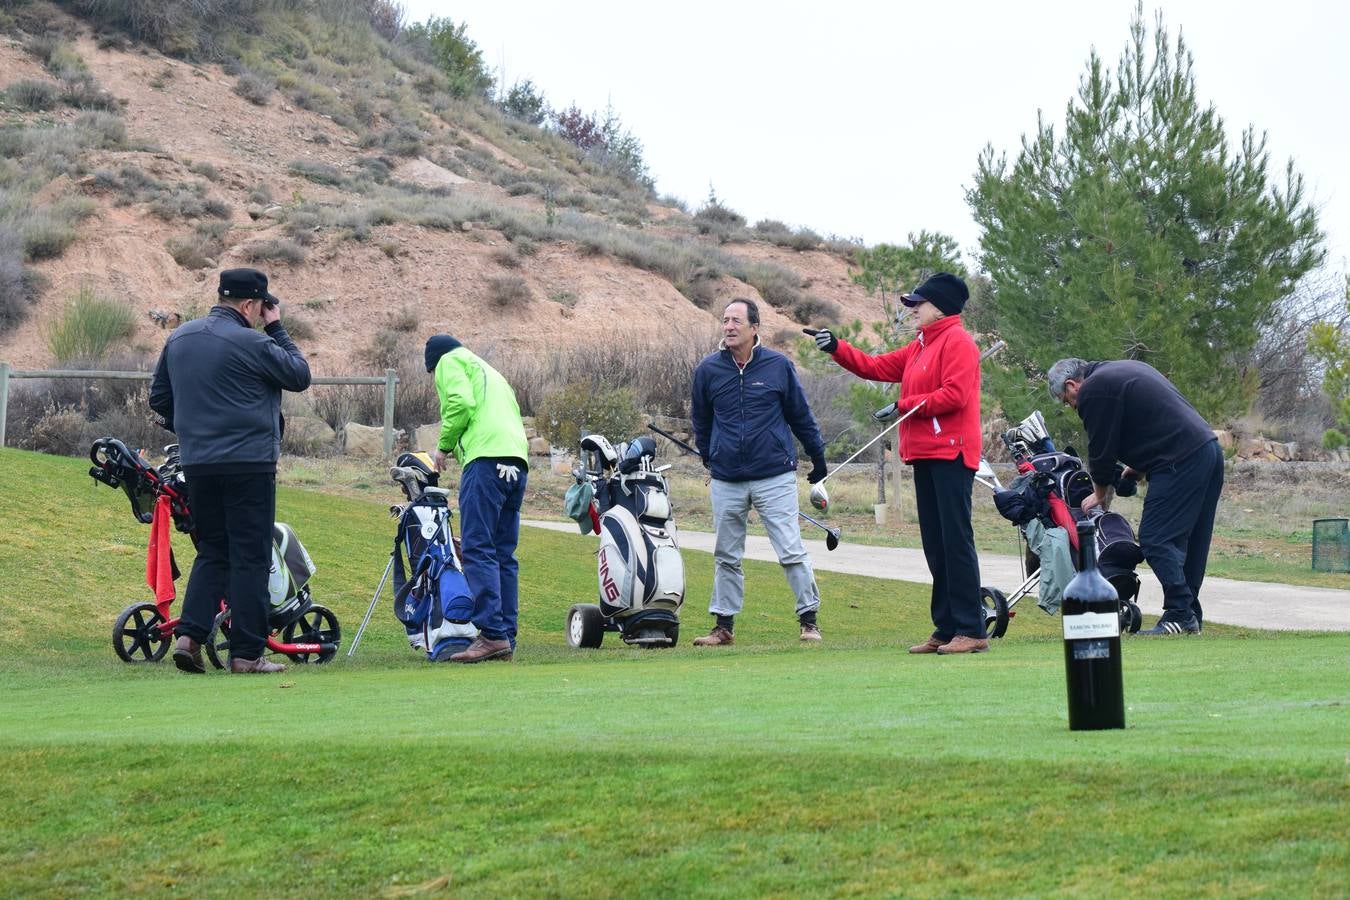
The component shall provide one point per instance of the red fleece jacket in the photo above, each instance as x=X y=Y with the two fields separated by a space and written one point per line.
x=941 y=370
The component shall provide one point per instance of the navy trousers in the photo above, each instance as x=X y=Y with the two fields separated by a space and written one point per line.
x=489 y=521
x=1176 y=527
x=234 y=515
x=942 y=489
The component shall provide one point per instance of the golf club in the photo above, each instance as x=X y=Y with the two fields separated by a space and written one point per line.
x=831 y=534
x=820 y=497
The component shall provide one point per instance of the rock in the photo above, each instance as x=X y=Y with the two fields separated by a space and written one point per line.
x=540 y=447
x=363 y=440
x=1226 y=441
x=466 y=226
x=1252 y=448
x=427 y=437
x=308 y=434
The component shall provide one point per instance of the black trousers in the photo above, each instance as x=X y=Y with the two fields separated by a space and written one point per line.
x=234 y=515
x=1176 y=527
x=942 y=489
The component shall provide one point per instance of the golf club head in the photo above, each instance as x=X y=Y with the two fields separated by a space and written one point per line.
x=820 y=498
x=832 y=539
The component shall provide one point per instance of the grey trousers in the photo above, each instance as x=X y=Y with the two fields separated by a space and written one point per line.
x=776 y=501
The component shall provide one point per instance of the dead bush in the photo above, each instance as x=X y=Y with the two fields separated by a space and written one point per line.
x=508 y=291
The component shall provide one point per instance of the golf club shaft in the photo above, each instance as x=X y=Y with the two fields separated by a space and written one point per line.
x=674 y=440
x=366 y=621
x=818 y=524
x=859 y=451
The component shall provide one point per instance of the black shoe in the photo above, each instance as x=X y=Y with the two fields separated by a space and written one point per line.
x=1167 y=626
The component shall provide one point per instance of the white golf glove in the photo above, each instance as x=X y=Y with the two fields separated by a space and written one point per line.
x=509 y=474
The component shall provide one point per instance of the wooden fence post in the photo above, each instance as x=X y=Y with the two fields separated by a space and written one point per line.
x=390 y=379
x=4 y=399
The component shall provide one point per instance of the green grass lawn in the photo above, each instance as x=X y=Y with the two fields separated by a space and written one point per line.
x=767 y=768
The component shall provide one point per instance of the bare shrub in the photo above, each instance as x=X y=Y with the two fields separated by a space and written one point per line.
x=254 y=88
x=63 y=432
x=15 y=299
x=658 y=368
x=507 y=291
x=384 y=350
x=32 y=95
x=298 y=326
x=404 y=319
x=814 y=309
x=779 y=287
x=200 y=249
x=204 y=169
x=275 y=250
x=81 y=90
x=317 y=172
x=98 y=128
x=47 y=231
x=506 y=258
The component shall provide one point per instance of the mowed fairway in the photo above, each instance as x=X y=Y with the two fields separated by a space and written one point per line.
x=767 y=768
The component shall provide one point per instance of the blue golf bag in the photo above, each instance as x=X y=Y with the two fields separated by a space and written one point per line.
x=431 y=596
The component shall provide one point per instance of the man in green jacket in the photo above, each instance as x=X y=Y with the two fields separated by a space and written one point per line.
x=480 y=425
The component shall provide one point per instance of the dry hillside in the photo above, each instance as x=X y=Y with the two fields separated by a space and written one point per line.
x=286 y=179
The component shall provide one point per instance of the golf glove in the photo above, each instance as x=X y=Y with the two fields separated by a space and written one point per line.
x=818 y=470
x=824 y=338
x=506 y=473
x=887 y=414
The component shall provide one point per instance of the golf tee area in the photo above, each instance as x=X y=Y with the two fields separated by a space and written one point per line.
x=765 y=768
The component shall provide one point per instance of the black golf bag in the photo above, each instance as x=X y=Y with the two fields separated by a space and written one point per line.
x=640 y=571
x=431 y=596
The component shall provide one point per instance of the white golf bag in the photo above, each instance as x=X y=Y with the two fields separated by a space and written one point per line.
x=640 y=573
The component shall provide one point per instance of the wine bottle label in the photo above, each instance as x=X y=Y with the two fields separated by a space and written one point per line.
x=1091 y=625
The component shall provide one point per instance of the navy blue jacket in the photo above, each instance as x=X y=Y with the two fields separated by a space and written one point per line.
x=218 y=386
x=744 y=420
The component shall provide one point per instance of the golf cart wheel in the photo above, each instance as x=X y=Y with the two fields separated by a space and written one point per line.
x=995 y=611
x=136 y=635
x=317 y=625
x=585 y=626
x=217 y=644
x=1130 y=617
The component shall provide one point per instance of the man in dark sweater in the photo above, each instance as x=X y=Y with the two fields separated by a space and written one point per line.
x=1134 y=415
x=218 y=387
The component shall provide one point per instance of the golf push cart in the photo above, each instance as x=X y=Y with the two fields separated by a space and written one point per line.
x=301 y=629
x=622 y=496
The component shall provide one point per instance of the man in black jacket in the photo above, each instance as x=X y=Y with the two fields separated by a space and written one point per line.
x=218 y=387
x=1135 y=415
x=747 y=405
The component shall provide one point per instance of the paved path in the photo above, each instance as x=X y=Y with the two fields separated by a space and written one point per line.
x=1253 y=604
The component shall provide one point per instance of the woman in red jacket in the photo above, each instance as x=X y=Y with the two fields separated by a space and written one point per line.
x=939 y=377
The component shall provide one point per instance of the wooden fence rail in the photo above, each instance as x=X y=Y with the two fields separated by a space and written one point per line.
x=389 y=380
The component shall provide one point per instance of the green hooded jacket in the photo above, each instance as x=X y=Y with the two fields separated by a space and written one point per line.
x=479 y=413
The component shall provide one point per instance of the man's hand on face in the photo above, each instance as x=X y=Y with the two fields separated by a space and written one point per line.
x=271 y=312
x=437 y=460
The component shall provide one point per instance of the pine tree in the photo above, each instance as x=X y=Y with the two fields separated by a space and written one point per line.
x=1139 y=233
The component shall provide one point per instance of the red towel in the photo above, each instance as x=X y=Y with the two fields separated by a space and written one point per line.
x=1063 y=517
x=159 y=567
x=595 y=518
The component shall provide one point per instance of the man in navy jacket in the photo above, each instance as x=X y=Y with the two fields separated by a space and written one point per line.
x=747 y=405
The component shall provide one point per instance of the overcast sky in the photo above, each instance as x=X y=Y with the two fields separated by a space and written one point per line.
x=866 y=119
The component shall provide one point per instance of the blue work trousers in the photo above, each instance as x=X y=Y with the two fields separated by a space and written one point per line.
x=490 y=496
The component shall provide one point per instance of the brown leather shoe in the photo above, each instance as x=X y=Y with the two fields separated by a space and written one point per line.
x=483 y=649
x=929 y=646
x=187 y=655
x=260 y=666
x=964 y=644
x=811 y=634
x=718 y=637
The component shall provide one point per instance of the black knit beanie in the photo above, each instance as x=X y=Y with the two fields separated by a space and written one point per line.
x=437 y=346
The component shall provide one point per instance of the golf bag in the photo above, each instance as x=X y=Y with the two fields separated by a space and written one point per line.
x=640 y=572
x=431 y=595
x=1050 y=488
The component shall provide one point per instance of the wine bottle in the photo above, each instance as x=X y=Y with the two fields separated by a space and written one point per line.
x=1091 y=614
